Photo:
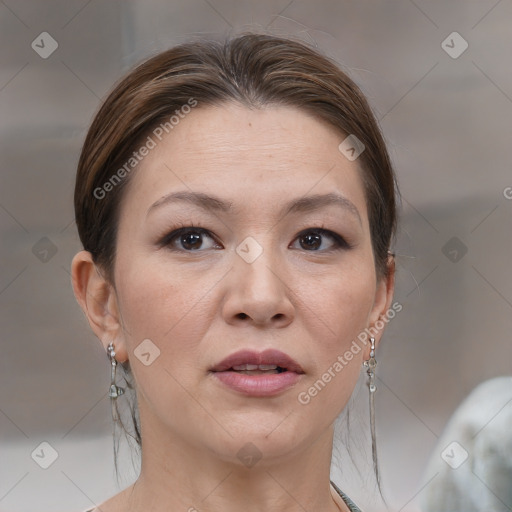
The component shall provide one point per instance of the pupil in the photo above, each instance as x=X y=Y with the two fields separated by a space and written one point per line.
x=315 y=238
x=193 y=239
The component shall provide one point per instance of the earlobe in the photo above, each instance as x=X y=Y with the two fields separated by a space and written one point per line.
x=97 y=299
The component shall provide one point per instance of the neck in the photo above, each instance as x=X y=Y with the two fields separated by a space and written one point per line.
x=176 y=475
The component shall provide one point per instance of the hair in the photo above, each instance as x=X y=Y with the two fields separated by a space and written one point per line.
x=252 y=70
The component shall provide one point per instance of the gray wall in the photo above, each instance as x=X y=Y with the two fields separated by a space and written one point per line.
x=448 y=123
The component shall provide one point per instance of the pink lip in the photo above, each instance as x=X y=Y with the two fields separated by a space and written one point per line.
x=258 y=385
x=269 y=356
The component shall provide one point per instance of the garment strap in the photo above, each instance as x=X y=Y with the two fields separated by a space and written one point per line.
x=350 y=504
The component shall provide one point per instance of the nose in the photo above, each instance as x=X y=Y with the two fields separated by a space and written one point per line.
x=259 y=293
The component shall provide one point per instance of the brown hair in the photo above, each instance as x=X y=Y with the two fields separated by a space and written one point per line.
x=252 y=70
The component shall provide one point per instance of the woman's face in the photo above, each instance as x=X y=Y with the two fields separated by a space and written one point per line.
x=264 y=264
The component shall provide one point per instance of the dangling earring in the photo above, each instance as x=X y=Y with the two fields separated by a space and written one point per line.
x=114 y=390
x=370 y=365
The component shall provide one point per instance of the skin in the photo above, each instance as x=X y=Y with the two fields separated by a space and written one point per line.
x=200 y=306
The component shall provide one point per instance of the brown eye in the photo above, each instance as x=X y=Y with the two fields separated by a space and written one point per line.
x=188 y=239
x=312 y=240
x=191 y=240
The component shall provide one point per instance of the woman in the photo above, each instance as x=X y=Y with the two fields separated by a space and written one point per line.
x=236 y=205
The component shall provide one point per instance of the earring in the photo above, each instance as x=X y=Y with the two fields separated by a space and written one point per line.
x=370 y=365
x=114 y=391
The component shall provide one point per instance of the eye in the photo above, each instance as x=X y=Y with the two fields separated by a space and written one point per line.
x=192 y=239
x=188 y=239
x=312 y=240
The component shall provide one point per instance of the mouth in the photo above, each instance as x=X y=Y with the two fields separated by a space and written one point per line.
x=256 y=374
x=256 y=363
x=257 y=369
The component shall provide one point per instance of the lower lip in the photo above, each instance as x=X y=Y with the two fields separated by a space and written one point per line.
x=258 y=385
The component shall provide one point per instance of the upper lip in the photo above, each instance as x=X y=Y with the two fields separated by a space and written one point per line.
x=269 y=356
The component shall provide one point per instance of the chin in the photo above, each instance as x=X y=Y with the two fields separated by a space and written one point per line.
x=266 y=446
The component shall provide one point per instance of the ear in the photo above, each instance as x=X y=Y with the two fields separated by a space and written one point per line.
x=383 y=297
x=98 y=301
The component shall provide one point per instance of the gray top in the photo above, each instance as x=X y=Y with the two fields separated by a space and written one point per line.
x=352 y=507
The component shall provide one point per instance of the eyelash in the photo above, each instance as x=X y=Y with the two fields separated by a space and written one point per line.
x=339 y=242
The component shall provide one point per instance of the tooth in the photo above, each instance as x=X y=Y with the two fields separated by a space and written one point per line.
x=254 y=367
x=260 y=372
x=267 y=367
x=245 y=367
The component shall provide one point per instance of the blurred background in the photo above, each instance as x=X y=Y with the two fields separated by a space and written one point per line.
x=439 y=78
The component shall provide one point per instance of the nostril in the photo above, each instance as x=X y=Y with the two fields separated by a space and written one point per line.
x=242 y=315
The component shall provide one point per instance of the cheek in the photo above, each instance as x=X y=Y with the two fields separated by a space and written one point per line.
x=169 y=308
x=340 y=302
x=339 y=312
x=163 y=304
x=336 y=310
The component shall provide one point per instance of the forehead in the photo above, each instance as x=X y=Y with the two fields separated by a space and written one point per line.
x=232 y=151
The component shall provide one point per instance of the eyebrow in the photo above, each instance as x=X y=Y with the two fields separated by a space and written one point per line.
x=302 y=205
